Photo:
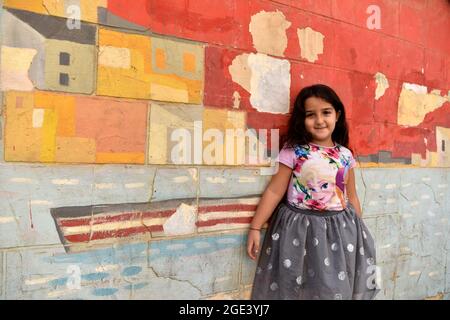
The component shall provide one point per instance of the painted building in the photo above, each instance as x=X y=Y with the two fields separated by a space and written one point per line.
x=137 y=138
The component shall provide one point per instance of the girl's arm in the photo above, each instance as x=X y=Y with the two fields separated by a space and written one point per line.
x=269 y=200
x=351 y=192
x=272 y=196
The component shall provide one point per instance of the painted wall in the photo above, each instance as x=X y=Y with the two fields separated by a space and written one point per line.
x=95 y=201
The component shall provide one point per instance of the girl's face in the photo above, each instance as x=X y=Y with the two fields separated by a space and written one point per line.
x=320 y=120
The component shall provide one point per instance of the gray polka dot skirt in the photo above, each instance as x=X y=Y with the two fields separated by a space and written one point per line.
x=309 y=255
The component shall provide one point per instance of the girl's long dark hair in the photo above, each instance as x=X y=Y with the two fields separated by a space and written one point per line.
x=297 y=134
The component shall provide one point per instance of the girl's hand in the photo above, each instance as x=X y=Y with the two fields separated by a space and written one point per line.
x=253 y=241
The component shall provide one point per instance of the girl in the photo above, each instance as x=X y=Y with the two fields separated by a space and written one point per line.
x=317 y=246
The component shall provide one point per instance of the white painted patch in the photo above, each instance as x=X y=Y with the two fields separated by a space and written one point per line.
x=135 y=185
x=373 y=203
x=176 y=246
x=201 y=245
x=68 y=182
x=247 y=179
x=222 y=279
x=406 y=185
x=441 y=194
x=15 y=65
x=41 y=202
x=382 y=85
x=415 y=87
x=182 y=221
x=406 y=215
x=226 y=240
x=425 y=196
x=386 y=246
x=107 y=267
x=442 y=185
x=390 y=186
x=431 y=213
x=224 y=214
x=39 y=280
x=414 y=203
x=114 y=57
x=23 y=180
x=391 y=200
x=438 y=234
x=8 y=219
x=254 y=200
x=38 y=118
x=415 y=273
x=375 y=186
x=405 y=249
x=433 y=274
x=426 y=179
x=216 y=180
x=60 y=293
x=180 y=179
x=102 y=186
x=270 y=83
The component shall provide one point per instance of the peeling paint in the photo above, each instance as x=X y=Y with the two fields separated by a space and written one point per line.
x=415 y=103
x=268 y=30
x=311 y=43
x=181 y=222
x=382 y=85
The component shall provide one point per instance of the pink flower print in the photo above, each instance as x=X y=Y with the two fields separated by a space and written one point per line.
x=316 y=205
x=333 y=153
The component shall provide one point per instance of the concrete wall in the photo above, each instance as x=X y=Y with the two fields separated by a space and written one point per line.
x=95 y=206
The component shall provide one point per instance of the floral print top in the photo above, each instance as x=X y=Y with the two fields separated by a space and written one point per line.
x=319 y=175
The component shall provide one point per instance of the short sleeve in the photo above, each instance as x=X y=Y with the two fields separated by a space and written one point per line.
x=286 y=157
x=352 y=160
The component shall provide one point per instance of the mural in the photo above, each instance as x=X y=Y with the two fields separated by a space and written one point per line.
x=117 y=171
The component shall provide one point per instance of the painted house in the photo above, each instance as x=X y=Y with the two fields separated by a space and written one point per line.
x=56 y=56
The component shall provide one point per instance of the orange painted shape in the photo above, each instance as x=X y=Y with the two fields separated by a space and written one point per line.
x=189 y=62
x=103 y=157
x=76 y=150
x=160 y=57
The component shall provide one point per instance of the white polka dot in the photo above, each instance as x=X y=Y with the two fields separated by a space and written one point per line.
x=326 y=261
x=307 y=222
x=304 y=253
x=268 y=250
x=341 y=275
x=361 y=251
x=338 y=296
x=353 y=221
x=275 y=236
x=287 y=263
x=325 y=225
x=296 y=217
x=364 y=235
x=269 y=266
x=334 y=246
x=299 y=280
x=350 y=247
x=344 y=224
x=296 y=242
x=315 y=242
x=258 y=270
x=274 y=286
x=370 y=261
x=311 y=273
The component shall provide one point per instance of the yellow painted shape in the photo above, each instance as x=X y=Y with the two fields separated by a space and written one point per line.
x=165 y=93
x=114 y=57
x=189 y=62
x=48 y=146
x=194 y=88
x=129 y=157
x=76 y=150
x=133 y=82
x=22 y=142
x=63 y=105
x=160 y=57
x=34 y=6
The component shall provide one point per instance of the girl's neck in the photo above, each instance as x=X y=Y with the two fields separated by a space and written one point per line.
x=327 y=144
